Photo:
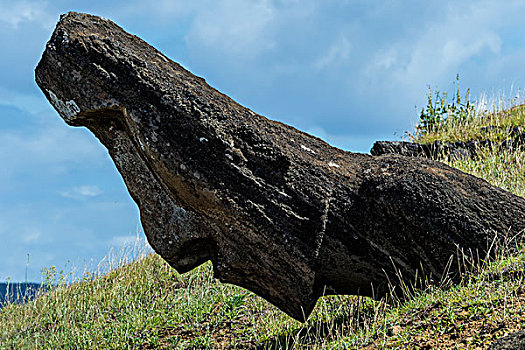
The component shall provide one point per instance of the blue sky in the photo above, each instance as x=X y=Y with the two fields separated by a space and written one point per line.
x=349 y=71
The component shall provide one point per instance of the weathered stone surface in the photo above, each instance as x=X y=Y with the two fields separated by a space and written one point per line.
x=453 y=150
x=404 y=148
x=276 y=210
x=514 y=341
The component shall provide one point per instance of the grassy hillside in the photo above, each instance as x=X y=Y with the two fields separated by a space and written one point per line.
x=145 y=304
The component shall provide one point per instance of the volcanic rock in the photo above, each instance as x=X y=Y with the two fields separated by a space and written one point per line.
x=276 y=210
x=453 y=150
x=513 y=341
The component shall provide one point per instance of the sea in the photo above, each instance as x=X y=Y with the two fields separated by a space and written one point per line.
x=19 y=292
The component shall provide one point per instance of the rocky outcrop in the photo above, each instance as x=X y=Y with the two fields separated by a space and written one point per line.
x=276 y=210
x=513 y=341
x=453 y=150
x=404 y=148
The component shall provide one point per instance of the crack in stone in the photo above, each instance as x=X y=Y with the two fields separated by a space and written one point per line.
x=324 y=219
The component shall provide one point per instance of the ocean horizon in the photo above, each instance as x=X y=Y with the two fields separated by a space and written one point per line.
x=19 y=292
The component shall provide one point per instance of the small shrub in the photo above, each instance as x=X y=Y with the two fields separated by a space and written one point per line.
x=439 y=111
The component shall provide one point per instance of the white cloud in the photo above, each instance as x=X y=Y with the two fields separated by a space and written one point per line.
x=88 y=191
x=121 y=241
x=468 y=38
x=457 y=51
x=47 y=149
x=30 y=103
x=14 y=13
x=440 y=47
x=81 y=192
x=235 y=26
x=163 y=11
x=338 y=52
x=31 y=236
x=384 y=60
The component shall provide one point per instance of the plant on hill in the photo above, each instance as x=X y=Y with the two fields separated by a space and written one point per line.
x=461 y=119
x=439 y=111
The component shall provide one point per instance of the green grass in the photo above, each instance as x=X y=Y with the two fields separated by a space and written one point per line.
x=145 y=304
x=470 y=127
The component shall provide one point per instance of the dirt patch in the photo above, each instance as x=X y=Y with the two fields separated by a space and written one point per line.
x=438 y=328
